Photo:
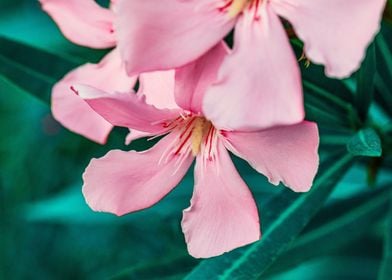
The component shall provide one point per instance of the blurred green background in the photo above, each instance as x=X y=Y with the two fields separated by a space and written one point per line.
x=342 y=229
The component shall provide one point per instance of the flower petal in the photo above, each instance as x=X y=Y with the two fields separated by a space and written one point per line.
x=136 y=134
x=259 y=83
x=223 y=214
x=287 y=153
x=83 y=22
x=158 y=87
x=123 y=182
x=193 y=79
x=73 y=112
x=336 y=33
x=126 y=109
x=169 y=34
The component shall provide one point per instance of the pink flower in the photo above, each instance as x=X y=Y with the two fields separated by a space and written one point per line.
x=85 y=23
x=172 y=33
x=223 y=214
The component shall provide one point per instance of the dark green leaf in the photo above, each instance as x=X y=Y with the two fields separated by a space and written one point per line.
x=384 y=77
x=165 y=268
x=340 y=267
x=386 y=267
x=252 y=261
x=383 y=94
x=319 y=114
x=365 y=83
x=366 y=142
x=26 y=79
x=352 y=219
x=39 y=60
x=31 y=69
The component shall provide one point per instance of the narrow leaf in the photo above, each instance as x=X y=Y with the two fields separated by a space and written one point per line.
x=33 y=70
x=354 y=218
x=26 y=79
x=365 y=143
x=39 y=60
x=365 y=83
x=383 y=94
x=384 y=77
x=386 y=266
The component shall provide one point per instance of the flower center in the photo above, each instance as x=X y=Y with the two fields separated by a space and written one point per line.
x=235 y=7
x=196 y=136
x=199 y=131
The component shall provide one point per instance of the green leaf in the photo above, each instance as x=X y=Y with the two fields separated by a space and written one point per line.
x=386 y=266
x=384 y=77
x=41 y=61
x=366 y=142
x=252 y=261
x=346 y=267
x=165 y=268
x=31 y=69
x=352 y=219
x=317 y=111
x=26 y=79
x=365 y=83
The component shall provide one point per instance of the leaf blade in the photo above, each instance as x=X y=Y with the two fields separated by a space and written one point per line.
x=348 y=224
x=31 y=69
x=386 y=266
x=365 y=83
x=365 y=142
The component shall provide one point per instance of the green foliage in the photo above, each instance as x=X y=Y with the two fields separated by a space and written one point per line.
x=365 y=83
x=48 y=232
x=365 y=143
x=27 y=71
x=386 y=267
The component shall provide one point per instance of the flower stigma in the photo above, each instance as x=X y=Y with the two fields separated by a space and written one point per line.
x=200 y=129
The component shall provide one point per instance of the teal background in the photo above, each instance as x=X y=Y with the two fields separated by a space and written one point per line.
x=340 y=230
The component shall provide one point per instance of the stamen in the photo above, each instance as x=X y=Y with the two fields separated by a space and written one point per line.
x=236 y=7
x=307 y=61
x=195 y=136
x=183 y=143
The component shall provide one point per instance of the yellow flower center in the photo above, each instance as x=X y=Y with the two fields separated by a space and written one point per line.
x=200 y=129
x=195 y=135
x=237 y=7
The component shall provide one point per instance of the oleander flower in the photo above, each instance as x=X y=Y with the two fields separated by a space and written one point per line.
x=86 y=23
x=223 y=214
x=171 y=33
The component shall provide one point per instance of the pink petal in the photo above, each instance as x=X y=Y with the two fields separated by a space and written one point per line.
x=83 y=22
x=193 y=79
x=136 y=134
x=336 y=33
x=126 y=109
x=223 y=214
x=73 y=112
x=158 y=87
x=259 y=84
x=123 y=182
x=170 y=34
x=287 y=153
x=112 y=5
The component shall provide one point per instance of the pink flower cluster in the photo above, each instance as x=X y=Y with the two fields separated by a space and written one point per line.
x=204 y=98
